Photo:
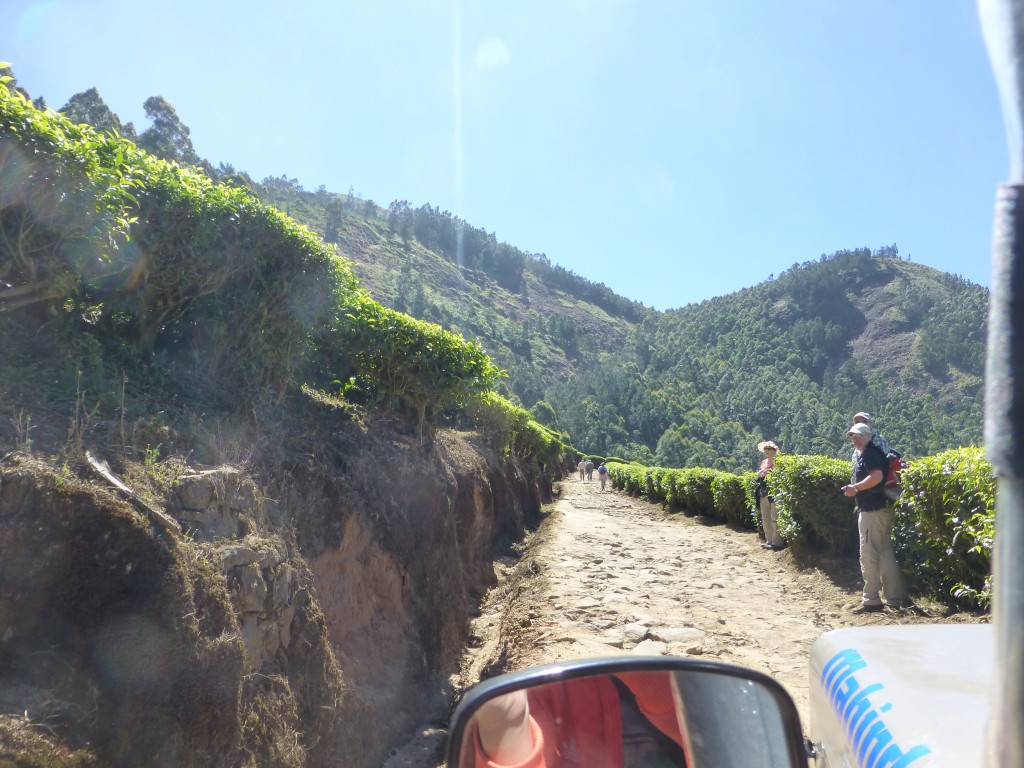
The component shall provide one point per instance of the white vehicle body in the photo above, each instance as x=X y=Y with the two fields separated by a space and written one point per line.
x=901 y=696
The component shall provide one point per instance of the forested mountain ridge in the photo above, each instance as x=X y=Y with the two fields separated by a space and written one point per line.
x=793 y=358
x=790 y=358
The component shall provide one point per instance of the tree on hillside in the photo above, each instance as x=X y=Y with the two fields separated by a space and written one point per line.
x=334 y=213
x=167 y=137
x=89 y=107
x=671 y=450
x=545 y=414
x=225 y=173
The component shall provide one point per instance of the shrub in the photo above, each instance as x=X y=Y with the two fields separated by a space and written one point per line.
x=626 y=477
x=511 y=430
x=812 y=511
x=694 y=491
x=660 y=485
x=730 y=499
x=946 y=524
x=749 y=482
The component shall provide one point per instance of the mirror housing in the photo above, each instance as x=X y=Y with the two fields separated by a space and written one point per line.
x=628 y=711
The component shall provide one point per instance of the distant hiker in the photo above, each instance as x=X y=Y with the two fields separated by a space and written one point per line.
x=589 y=466
x=602 y=474
x=875 y=520
x=582 y=467
x=766 y=501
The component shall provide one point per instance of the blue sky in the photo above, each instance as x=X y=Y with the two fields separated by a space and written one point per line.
x=674 y=150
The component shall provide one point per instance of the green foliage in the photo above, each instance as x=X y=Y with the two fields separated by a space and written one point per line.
x=424 y=367
x=695 y=387
x=476 y=249
x=946 y=524
x=694 y=491
x=66 y=205
x=165 y=270
x=730 y=498
x=702 y=384
x=811 y=508
x=630 y=478
x=511 y=430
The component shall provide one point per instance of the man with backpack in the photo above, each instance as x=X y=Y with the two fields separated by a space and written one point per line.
x=892 y=488
x=875 y=519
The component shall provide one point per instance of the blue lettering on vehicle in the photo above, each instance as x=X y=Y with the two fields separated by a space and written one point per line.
x=861 y=717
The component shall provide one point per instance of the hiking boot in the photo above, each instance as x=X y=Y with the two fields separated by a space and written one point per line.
x=864 y=608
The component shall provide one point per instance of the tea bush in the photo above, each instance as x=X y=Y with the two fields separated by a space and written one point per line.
x=812 y=510
x=511 y=430
x=185 y=282
x=694 y=491
x=732 y=500
x=946 y=524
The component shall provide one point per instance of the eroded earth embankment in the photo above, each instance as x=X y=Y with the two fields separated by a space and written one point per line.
x=309 y=615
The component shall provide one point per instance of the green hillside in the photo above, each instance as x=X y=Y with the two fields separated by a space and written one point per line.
x=791 y=358
x=132 y=284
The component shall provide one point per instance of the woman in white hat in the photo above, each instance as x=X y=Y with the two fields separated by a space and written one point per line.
x=765 y=501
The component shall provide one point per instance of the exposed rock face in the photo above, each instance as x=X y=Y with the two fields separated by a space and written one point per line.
x=308 y=622
x=213 y=501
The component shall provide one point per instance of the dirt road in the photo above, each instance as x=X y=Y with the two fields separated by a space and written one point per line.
x=608 y=574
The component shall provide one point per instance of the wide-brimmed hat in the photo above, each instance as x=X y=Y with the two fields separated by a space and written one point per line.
x=862 y=415
x=859 y=429
x=767 y=444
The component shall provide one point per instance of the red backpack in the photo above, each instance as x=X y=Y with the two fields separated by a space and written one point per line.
x=894 y=469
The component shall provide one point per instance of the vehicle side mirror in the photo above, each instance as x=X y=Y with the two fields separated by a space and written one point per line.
x=642 y=711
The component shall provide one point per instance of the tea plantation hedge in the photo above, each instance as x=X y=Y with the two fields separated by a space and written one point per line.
x=944 y=518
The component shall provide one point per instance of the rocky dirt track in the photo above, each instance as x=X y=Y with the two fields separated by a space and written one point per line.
x=608 y=574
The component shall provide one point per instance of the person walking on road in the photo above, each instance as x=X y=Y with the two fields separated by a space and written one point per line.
x=875 y=519
x=602 y=474
x=766 y=501
x=582 y=467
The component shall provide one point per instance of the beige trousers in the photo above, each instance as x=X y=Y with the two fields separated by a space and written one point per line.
x=877 y=559
x=770 y=522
